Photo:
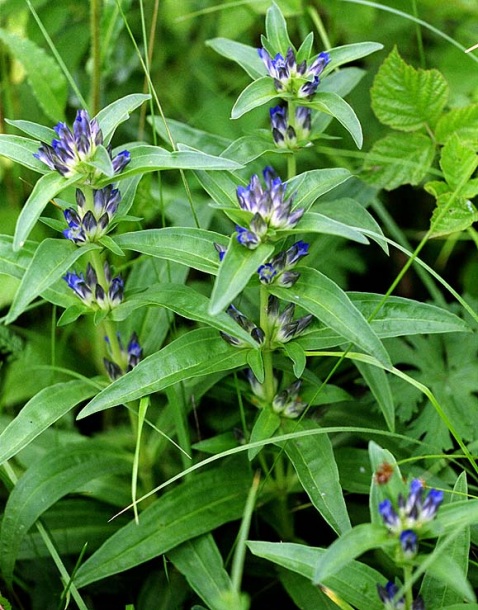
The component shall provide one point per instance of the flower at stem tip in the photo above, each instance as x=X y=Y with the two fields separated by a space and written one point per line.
x=270 y=208
x=71 y=151
x=278 y=269
x=130 y=357
x=92 y=293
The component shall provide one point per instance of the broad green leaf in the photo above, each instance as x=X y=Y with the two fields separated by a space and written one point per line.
x=201 y=563
x=21 y=150
x=14 y=262
x=276 y=30
x=248 y=148
x=221 y=186
x=399 y=158
x=408 y=99
x=297 y=354
x=445 y=569
x=314 y=462
x=235 y=271
x=304 y=594
x=313 y=222
x=309 y=186
x=146 y=158
x=377 y=381
x=351 y=544
x=43 y=73
x=195 y=507
x=199 y=352
x=118 y=112
x=349 y=52
x=453 y=213
x=188 y=246
x=51 y=260
x=265 y=426
x=258 y=93
x=246 y=56
x=186 y=302
x=37 y=131
x=320 y=296
x=356 y=582
x=42 y=411
x=461 y=122
x=44 y=190
x=333 y=104
x=439 y=591
x=181 y=132
x=458 y=162
x=61 y=471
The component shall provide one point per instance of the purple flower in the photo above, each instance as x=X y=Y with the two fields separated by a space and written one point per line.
x=388 y=594
x=130 y=357
x=255 y=331
x=90 y=223
x=283 y=327
x=278 y=269
x=72 y=151
x=286 y=135
x=92 y=292
x=409 y=543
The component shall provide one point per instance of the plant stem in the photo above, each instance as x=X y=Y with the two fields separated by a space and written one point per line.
x=95 y=22
x=407 y=575
x=269 y=386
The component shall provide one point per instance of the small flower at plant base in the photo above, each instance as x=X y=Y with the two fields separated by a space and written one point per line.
x=268 y=205
x=299 y=80
x=277 y=270
x=130 y=357
x=86 y=225
x=69 y=153
x=283 y=327
x=409 y=543
x=288 y=403
x=92 y=293
x=284 y=134
x=255 y=331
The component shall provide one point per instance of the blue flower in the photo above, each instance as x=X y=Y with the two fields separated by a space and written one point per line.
x=72 y=151
x=288 y=402
x=409 y=543
x=270 y=208
x=130 y=357
x=299 y=80
x=255 y=331
x=388 y=594
x=286 y=135
x=283 y=327
x=89 y=225
x=92 y=293
x=278 y=269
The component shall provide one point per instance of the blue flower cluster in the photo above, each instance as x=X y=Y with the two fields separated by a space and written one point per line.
x=89 y=225
x=130 y=357
x=388 y=595
x=286 y=135
x=255 y=331
x=278 y=269
x=91 y=291
x=283 y=327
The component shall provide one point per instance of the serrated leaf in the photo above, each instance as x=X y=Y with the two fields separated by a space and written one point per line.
x=195 y=507
x=265 y=427
x=408 y=99
x=51 y=260
x=333 y=104
x=188 y=246
x=41 y=412
x=47 y=81
x=320 y=296
x=461 y=122
x=246 y=56
x=356 y=582
x=44 y=190
x=258 y=93
x=276 y=30
x=118 y=112
x=314 y=462
x=60 y=472
x=197 y=353
x=458 y=162
x=453 y=213
x=235 y=271
x=21 y=150
x=398 y=159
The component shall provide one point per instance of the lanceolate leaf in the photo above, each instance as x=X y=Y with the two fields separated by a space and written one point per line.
x=311 y=185
x=194 y=354
x=60 y=472
x=265 y=426
x=21 y=150
x=258 y=93
x=356 y=582
x=276 y=30
x=44 y=190
x=320 y=296
x=333 y=104
x=118 y=112
x=41 y=412
x=318 y=223
x=350 y=52
x=195 y=507
x=51 y=260
x=314 y=461
x=246 y=56
x=14 y=262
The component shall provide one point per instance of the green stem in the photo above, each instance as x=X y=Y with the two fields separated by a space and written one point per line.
x=314 y=15
x=407 y=582
x=269 y=386
x=95 y=22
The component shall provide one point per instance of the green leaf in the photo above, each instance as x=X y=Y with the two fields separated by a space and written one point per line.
x=356 y=582
x=118 y=112
x=460 y=122
x=387 y=481
x=51 y=260
x=60 y=472
x=305 y=49
x=398 y=159
x=445 y=569
x=44 y=190
x=276 y=30
x=377 y=381
x=195 y=507
x=37 y=131
x=21 y=150
x=42 y=411
x=258 y=93
x=202 y=565
x=256 y=363
x=265 y=427
x=313 y=222
x=297 y=354
x=44 y=75
x=408 y=99
x=304 y=594
x=451 y=215
x=309 y=186
x=351 y=544
x=13 y=262
x=199 y=352
x=235 y=271
x=321 y=297
x=314 y=462
x=186 y=302
x=349 y=52
x=333 y=104
x=246 y=56
x=458 y=162
x=188 y=246
x=181 y=132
